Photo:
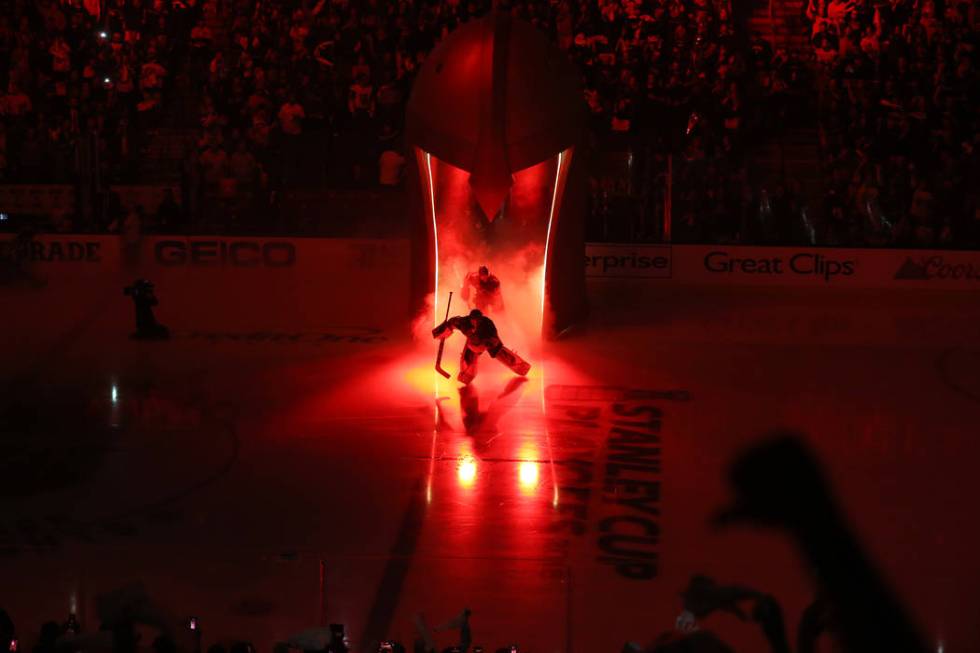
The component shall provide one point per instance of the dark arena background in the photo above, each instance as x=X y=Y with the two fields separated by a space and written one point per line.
x=737 y=243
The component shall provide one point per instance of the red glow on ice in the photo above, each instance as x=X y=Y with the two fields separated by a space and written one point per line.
x=420 y=375
x=466 y=471
x=527 y=474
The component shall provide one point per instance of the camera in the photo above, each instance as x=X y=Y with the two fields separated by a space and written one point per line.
x=147 y=327
x=140 y=288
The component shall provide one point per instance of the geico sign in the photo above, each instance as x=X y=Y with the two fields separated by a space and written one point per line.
x=241 y=253
x=804 y=263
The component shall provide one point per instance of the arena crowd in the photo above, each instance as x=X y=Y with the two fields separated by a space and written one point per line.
x=235 y=103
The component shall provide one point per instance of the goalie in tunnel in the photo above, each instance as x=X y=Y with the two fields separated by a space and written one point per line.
x=481 y=336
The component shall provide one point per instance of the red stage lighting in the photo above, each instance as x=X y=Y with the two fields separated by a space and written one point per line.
x=495 y=116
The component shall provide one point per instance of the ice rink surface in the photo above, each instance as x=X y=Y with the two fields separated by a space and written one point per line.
x=265 y=478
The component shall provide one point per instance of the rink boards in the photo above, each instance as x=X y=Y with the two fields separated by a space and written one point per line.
x=309 y=288
x=319 y=261
x=254 y=282
x=290 y=423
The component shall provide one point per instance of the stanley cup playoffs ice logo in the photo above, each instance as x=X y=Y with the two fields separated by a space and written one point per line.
x=925 y=268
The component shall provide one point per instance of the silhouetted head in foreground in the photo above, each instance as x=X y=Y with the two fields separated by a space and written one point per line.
x=701 y=641
x=780 y=484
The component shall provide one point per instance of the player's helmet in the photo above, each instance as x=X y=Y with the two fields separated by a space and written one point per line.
x=484 y=271
x=476 y=314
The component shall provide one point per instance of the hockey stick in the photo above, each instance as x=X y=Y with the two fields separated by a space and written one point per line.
x=442 y=343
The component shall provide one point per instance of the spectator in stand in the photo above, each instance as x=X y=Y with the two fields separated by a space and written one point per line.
x=889 y=95
x=390 y=167
x=898 y=77
x=15 y=103
x=361 y=97
x=246 y=173
x=243 y=166
x=3 y=151
x=130 y=231
x=169 y=218
x=152 y=74
x=213 y=163
x=291 y=116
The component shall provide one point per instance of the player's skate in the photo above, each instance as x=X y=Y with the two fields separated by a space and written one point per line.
x=514 y=362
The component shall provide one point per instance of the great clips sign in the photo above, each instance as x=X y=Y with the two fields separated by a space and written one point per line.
x=705 y=264
x=825 y=266
x=816 y=267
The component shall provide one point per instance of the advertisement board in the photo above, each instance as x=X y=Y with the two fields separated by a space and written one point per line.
x=250 y=281
x=370 y=276
x=628 y=261
x=784 y=266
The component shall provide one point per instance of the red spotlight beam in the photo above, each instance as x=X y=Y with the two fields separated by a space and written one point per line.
x=435 y=237
x=442 y=342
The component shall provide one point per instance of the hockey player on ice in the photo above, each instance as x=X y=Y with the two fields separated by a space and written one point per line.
x=484 y=288
x=481 y=336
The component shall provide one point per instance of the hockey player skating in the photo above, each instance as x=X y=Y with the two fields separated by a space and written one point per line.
x=481 y=290
x=481 y=336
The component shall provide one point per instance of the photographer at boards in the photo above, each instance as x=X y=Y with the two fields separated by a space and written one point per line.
x=144 y=299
